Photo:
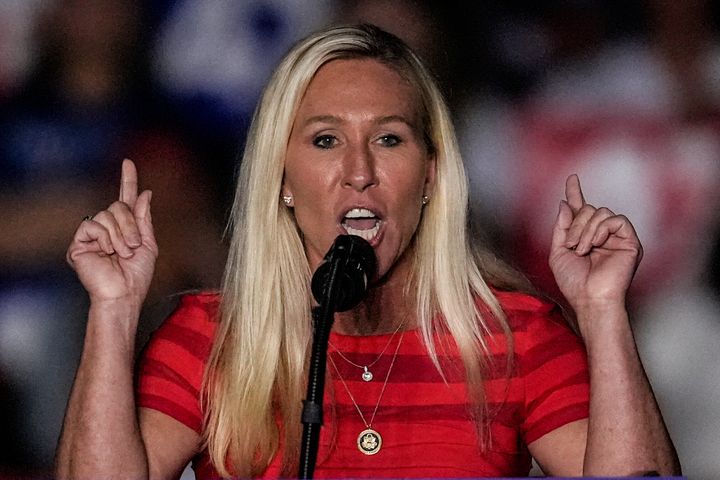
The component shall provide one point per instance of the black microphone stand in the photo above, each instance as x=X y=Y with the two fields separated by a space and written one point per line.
x=312 y=414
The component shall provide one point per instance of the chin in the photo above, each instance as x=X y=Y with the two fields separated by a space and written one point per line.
x=389 y=265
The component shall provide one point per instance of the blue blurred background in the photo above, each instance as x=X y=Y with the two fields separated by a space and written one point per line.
x=626 y=93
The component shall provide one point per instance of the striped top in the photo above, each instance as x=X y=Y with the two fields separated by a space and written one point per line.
x=425 y=424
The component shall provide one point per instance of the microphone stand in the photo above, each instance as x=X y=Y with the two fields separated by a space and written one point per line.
x=312 y=414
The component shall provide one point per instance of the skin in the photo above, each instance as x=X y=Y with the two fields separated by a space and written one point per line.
x=346 y=109
x=594 y=255
x=114 y=256
x=357 y=141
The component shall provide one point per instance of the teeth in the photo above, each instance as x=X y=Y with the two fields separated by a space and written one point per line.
x=365 y=214
x=360 y=213
x=366 y=234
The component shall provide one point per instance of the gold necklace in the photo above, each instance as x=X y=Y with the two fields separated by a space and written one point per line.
x=367 y=375
x=369 y=440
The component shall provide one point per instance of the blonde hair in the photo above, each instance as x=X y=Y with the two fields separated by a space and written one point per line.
x=255 y=379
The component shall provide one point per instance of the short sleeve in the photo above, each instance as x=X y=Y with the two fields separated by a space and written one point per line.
x=171 y=369
x=554 y=370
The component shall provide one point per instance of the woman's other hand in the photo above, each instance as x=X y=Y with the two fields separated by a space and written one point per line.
x=594 y=252
x=114 y=252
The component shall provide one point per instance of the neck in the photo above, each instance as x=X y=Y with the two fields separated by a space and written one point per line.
x=384 y=309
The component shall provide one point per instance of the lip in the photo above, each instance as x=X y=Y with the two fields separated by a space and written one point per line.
x=342 y=211
x=368 y=206
x=376 y=239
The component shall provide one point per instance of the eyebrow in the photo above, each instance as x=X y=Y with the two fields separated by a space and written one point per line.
x=322 y=119
x=332 y=119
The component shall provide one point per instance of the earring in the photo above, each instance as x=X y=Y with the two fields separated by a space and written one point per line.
x=425 y=199
x=287 y=200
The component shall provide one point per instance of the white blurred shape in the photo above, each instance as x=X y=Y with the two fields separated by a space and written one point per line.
x=678 y=337
x=17 y=43
x=23 y=340
x=227 y=48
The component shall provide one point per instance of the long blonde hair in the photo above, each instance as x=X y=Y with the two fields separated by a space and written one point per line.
x=255 y=379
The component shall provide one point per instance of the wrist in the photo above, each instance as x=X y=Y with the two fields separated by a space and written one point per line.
x=594 y=307
x=114 y=321
x=120 y=306
x=602 y=320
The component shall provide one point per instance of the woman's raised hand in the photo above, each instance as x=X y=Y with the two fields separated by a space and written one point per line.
x=114 y=252
x=594 y=252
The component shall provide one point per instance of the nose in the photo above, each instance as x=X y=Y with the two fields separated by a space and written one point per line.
x=359 y=168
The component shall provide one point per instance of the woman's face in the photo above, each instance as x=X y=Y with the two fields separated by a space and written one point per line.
x=357 y=161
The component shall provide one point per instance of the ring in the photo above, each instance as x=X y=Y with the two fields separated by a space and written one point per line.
x=87 y=217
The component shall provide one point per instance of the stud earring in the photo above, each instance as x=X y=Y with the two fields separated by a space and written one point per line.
x=425 y=199
x=287 y=200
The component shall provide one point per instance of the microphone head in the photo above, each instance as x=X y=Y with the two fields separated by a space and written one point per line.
x=353 y=260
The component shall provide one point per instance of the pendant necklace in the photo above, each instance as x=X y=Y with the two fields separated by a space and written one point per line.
x=367 y=375
x=369 y=440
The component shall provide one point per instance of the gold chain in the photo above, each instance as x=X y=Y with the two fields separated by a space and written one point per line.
x=382 y=391
x=365 y=367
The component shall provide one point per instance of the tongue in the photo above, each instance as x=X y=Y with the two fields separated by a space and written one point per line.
x=360 y=223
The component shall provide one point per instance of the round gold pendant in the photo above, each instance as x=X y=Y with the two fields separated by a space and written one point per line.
x=369 y=442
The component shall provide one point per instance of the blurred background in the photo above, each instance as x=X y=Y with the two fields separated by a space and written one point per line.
x=625 y=93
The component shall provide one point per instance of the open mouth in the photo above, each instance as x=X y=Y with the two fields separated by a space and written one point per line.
x=361 y=222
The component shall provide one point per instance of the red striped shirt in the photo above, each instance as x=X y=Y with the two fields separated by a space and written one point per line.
x=425 y=424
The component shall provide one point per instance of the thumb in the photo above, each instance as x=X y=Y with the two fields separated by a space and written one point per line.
x=562 y=225
x=143 y=217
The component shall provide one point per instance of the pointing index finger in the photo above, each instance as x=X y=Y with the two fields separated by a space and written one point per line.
x=128 y=183
x=573 y=193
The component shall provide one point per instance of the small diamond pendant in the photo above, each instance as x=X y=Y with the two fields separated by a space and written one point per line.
x=367 y=375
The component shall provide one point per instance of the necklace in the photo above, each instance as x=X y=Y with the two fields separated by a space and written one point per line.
x=369 y=440
x=367 y=375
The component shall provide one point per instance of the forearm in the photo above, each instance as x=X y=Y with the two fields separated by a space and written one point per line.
x=101 y=437
x=626 y=432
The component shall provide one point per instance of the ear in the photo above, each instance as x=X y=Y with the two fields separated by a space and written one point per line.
x=286 y=196
x=430 y=175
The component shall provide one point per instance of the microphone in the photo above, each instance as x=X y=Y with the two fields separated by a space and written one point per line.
x=338 y=284
x=345 y=271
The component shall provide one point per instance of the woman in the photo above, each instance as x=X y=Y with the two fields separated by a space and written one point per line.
x=441 y=371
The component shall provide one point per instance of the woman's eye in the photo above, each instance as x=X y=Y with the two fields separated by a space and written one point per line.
x=390 y=140
x=324 y=141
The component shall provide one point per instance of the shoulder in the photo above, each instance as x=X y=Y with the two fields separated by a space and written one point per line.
x=198 y=311
x=204 y=304
x=172 y=365
x=518 y=302
x=535 y=322
x=523 y=309
x=191 y=327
